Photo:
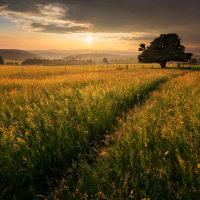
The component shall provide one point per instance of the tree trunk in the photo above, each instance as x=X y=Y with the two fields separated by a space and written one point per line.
x=163 y=64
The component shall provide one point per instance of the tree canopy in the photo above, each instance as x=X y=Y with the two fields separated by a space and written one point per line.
x=1 y=61
x=105 y=60
x=166 y=47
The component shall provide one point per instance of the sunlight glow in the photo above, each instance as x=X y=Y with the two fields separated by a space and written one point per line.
x=88 y=39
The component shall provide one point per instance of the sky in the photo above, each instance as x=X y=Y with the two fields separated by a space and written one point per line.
x=97 y=24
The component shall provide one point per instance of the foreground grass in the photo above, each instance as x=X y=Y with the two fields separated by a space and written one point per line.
x=49 y=122
x=156 y=152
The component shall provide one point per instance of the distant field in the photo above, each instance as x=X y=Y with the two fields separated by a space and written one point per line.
x=11 y=69
x=96 y=132
x=7 y=69
x=34 y=69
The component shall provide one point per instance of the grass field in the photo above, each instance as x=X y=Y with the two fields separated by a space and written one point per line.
x=155 y=152
x=7 y=69
x=99 y=133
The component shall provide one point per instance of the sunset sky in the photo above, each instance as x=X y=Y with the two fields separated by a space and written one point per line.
x=97 y=24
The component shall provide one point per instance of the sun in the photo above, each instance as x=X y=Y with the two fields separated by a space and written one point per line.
x=88 y=39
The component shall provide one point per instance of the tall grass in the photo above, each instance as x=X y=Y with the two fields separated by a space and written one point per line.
x=49 y=121
x=155 y=154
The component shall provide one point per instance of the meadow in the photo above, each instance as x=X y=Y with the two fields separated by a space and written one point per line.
x=99 y=133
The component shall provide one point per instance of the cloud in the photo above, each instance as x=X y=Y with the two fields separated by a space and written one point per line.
x=53 y=28
x=114 y=15
x=103 y=16
x=139 y=38
x=46 y=18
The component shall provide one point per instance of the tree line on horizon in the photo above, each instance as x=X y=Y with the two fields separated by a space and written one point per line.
x=35 y=61
x=55 y=62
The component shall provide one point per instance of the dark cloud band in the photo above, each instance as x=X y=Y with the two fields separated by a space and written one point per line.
x=53 y=28
x=113 y=16
x=118 y=14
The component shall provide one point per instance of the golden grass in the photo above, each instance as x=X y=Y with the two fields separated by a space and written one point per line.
x=155 y=154
x=50 y=117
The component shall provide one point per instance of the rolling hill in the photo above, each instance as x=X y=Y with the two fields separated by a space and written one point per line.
x=98 y=57
x=59 y=54
x=17 y=55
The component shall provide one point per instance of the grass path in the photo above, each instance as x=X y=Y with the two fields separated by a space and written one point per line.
x=155 y=154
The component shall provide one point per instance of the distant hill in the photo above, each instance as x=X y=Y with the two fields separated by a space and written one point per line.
x=91 y=56
x=17 y=55
x=59 y=54
x=52 y=53
x=98 y=57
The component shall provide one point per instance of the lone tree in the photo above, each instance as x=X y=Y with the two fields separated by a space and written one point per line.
x=167 y=47
x=1 y=61
x=105 y=60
